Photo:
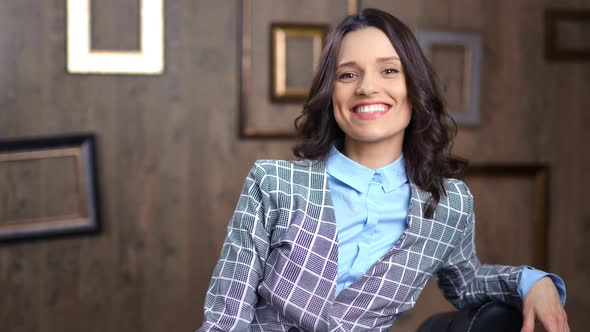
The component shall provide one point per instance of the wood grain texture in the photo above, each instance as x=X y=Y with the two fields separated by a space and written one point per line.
x=171 y=165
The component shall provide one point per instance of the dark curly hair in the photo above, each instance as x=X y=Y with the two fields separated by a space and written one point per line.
x=429 y=135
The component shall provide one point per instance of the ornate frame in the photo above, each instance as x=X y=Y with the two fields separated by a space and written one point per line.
x=472 y=46
x=280 y=32
x=83 y=150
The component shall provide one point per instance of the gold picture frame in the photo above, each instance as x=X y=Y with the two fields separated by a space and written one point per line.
x=539 y=174
x=149 y=60
x=82 y=152
x=280 y=33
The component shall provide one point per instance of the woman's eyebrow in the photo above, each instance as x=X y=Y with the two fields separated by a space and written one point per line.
x=382 y=59
x=389 y=58
x=345 y=64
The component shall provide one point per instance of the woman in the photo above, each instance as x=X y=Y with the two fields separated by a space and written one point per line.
x=345 y=238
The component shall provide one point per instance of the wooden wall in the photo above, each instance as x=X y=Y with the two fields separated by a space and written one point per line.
x=171 y=164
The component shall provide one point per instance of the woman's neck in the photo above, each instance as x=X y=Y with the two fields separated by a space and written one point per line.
x=371 y=155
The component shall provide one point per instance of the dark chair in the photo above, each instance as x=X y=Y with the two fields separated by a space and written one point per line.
x=490 y=317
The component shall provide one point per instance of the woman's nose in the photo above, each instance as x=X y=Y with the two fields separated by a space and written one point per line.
x=367 y=86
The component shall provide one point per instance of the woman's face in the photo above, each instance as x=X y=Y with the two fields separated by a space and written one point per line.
x=370 y=97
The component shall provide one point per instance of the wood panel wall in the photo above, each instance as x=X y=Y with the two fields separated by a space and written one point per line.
x=171 y=164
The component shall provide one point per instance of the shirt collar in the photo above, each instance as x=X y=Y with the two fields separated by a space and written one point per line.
x=359 y=177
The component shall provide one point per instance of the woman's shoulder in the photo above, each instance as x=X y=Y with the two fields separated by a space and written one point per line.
x=456 y=186
x=273 y=166
x=458 y=192
x=285 y=168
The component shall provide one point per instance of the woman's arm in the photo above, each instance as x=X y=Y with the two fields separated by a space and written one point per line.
x=466 y=282
x=231 y=296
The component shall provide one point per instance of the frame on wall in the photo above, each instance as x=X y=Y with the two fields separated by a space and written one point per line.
x=246 y=112
x=82 y=149
x=280 y=32
x=540 y=175
x=554 y=20
x=470 y=50
x=149 y=60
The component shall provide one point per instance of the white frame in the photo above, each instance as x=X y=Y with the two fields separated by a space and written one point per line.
x=473 y=55
x=149 y=60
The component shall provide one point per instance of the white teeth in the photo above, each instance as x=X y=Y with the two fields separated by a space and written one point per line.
x=371 y=108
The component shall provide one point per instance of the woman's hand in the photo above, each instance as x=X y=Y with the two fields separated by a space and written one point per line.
x=542 y=303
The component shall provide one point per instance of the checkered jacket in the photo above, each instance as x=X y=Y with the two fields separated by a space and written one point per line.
x=279 y=262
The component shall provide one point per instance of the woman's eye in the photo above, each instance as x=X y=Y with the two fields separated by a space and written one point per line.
x=346 y=76
x=390 y=71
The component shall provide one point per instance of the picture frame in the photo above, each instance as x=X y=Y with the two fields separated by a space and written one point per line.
x=539 y=174
x=456 y=58
x=81 y=59
x=76 y=152
x=280 y=90
x=574 y=23
x=260 y=115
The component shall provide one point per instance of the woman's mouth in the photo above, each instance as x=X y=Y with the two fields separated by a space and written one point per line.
x=370 y=111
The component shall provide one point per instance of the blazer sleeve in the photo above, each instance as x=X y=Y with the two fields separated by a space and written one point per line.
x=465 y=282
x=232 y=294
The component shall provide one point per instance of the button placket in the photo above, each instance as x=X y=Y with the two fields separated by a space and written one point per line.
x=361 y=263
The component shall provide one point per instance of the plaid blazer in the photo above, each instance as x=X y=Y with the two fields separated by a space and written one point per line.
x=279 y=262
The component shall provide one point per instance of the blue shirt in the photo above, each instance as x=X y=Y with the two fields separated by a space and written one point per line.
x=371 y=208
x=367 y=204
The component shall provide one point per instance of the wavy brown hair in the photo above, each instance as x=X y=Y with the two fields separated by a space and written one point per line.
x=429 y=135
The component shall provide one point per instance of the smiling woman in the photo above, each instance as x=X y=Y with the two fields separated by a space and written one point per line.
x=346 y=238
